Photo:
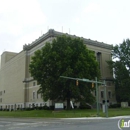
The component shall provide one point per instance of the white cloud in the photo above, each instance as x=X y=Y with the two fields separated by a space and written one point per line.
x=92 y=8
x=18 y=14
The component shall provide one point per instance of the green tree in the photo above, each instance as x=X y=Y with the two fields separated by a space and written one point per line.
x=65 y=56
x=121 y=68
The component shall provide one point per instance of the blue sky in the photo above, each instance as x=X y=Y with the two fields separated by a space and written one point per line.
x=23 y=21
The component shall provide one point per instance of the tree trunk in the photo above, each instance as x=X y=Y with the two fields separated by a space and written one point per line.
x=68 y=104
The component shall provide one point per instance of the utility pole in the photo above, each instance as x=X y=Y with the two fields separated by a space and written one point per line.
x=106 y=106
x=97 y=97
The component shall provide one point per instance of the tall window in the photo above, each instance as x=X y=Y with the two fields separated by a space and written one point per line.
x=109 y=94
x=102 y=94
x=33 y=95
x=99 y=59
x=34 y=83
x=0 y=93
x=38 y=95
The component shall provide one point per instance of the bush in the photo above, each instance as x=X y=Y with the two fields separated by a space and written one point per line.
x=29 y=109
x=40 y=108
x=45 y=107
x=117 y=105
x=7 y=109
x=83 y=105
x=12 y=110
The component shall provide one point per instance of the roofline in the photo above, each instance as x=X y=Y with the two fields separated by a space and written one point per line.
x=53 y=33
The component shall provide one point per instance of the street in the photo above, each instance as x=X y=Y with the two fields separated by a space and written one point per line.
x=57 y=124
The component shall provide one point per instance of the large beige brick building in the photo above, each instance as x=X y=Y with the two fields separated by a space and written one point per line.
x=19 y=90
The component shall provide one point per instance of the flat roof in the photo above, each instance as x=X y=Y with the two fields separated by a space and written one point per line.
x=53 y=33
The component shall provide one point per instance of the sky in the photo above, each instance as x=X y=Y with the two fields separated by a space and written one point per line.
x=23 y=21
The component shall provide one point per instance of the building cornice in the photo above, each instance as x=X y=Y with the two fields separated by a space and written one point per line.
x=53 y=33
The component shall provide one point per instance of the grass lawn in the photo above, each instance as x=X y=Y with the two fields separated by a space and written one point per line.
x=65 y=113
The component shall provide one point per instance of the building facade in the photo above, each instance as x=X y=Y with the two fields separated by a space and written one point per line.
x=19 y=90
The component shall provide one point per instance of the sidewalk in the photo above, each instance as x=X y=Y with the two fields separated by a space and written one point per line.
x=85 y=118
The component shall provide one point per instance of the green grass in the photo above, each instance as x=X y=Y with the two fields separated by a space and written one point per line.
x=65 y=113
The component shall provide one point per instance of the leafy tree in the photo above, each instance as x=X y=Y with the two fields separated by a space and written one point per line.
x=64 y=56
x=121 y=69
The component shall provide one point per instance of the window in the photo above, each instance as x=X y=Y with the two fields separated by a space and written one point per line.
x=11 y=106
x=33 y=95
x=34 y=83
x=37 y=95
x=30 y=105
x=0 y=99
x=109 y=94
x=102 y=94
x=99 y=59
x=41 y=95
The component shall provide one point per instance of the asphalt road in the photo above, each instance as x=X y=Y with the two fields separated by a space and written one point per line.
x=57 y=124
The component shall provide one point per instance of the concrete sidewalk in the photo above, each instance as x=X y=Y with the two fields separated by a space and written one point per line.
x=84 y=118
